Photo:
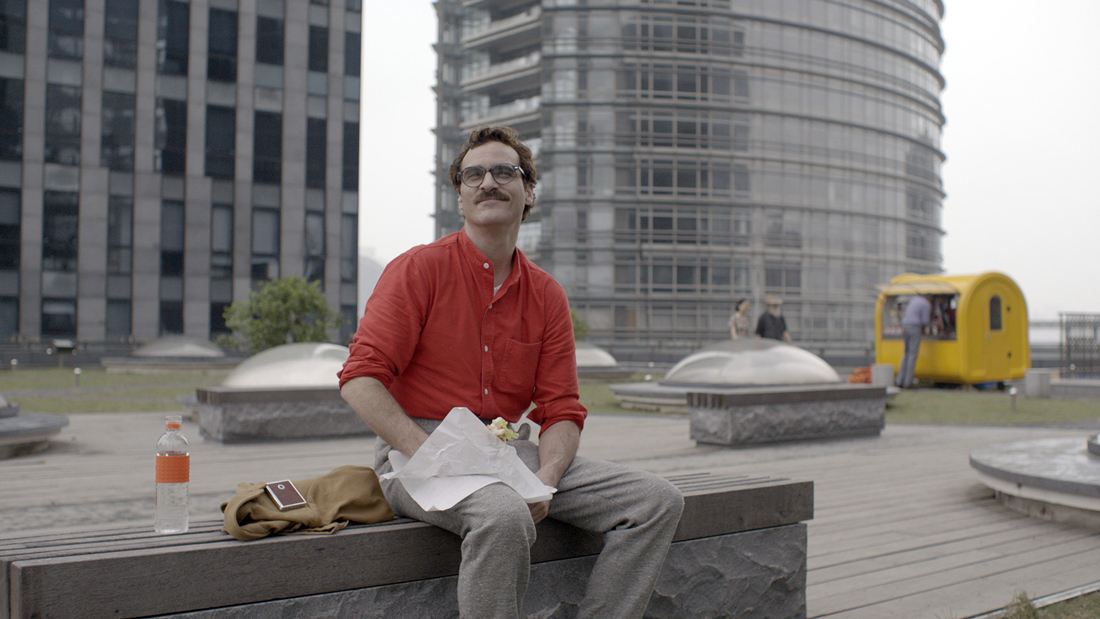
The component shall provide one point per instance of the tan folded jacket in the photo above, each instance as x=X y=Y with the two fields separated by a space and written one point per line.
x=348 y=493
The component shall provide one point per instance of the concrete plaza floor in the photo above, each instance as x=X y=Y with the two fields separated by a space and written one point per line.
x=902 y=527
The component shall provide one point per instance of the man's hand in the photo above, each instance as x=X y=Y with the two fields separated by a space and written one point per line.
x=557 y=446
x=542 y=508
x=539 y=510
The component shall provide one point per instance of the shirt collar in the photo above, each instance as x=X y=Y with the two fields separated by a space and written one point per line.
x=478 y=260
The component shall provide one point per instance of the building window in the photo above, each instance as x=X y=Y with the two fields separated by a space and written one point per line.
x=995 y=313
x=316 y=150
x=679 y=128
x=351 y=156
x=783 y=229
x=172 y=222
x=740 y=138
x=119 y=318
x=221 y=241
x=173 y=37
x=59 y=317
x=221 y=63
x=217 y=319
x=267 y=148
x=349 y=248
x=10 y=229
x=11 y=119
x=782 y=278
x=683 y=33
x=117 y=139
x=740 y=178
x=171 y=317
x=269 y=40
x=120 y=29
x=318 y=49
x=672 y=177
x=668 y=81
x=353 y=50
x=265 y=244
x=66 y=30
x=62 y=144
x=314 y=267
x=120 y=235
x=60 y=217
x=221 y=140
x=170 y=156
x=13 y=26
x=921 y=243
x=9 y=318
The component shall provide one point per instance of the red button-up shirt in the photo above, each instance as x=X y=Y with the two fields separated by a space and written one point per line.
x=435 y=334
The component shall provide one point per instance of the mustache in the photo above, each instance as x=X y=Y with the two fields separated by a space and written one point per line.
x=491 y=194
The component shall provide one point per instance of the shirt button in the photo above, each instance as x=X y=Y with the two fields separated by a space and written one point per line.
x=486 y=349
x=486 y=392
x=486 y=265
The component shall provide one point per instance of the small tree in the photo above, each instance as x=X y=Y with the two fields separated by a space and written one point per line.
x=580 y=327
x=280 y=311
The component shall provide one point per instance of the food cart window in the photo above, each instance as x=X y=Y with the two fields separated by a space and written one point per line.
x=944 y=308
x=893 y=309
x=995 y=313
x=943 y=316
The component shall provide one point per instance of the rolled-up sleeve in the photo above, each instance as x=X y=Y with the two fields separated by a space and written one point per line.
x=556 y=396
x=391 y=324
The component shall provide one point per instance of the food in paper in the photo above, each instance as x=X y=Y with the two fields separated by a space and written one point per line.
x=500 y=429
x=460 y=457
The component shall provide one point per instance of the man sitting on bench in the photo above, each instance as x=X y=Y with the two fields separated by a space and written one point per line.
x=469 y=321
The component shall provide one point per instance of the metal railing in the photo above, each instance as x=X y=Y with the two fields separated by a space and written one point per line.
x=1079 y=347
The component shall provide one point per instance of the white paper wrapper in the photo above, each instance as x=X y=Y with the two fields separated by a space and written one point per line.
x=460 y=457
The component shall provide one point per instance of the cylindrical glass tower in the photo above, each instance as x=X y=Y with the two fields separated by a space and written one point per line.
x=695 y=152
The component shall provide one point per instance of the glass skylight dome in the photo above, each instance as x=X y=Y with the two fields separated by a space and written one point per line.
x=592 y=356
x=307 y=364
x=751 y=361
x=178 y=346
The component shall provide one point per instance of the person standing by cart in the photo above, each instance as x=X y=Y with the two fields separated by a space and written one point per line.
x=918 y=315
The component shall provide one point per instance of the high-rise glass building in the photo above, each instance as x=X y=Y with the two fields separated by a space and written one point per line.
x=159 y=158
x=695 y=152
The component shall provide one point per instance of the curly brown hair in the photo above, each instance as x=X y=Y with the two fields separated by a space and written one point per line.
x=507 y=136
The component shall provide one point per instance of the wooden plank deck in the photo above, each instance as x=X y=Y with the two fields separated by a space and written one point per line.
x=902 y=528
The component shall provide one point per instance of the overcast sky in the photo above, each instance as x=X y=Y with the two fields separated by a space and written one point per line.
x=1022 y=139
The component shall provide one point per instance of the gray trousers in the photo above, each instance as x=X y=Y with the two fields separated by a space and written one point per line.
x=636 y=511
x=911 y=335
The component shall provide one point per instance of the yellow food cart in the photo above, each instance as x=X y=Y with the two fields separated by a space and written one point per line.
x=978 y=332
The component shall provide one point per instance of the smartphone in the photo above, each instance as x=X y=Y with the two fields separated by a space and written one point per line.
x=285 y=495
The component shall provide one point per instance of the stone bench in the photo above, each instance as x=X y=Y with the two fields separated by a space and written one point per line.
x=26 y=433
x=754 y=415
x=740 y=550
x=240 y=415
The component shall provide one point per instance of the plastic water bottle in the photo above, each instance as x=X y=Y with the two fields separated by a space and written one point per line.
x=173 y=475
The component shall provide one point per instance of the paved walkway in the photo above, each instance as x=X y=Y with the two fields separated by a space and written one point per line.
x=902 y=528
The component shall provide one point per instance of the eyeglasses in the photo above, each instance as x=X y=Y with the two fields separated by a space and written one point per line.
x=503 y=173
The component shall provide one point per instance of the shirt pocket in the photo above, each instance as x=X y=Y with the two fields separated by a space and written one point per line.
x=516 y=372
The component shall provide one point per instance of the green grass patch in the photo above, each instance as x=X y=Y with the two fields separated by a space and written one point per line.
x=1083 y=607
x=597 y=397
x=74 y=406
x=59 y=378
x=971 y=407
x=57 y=390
